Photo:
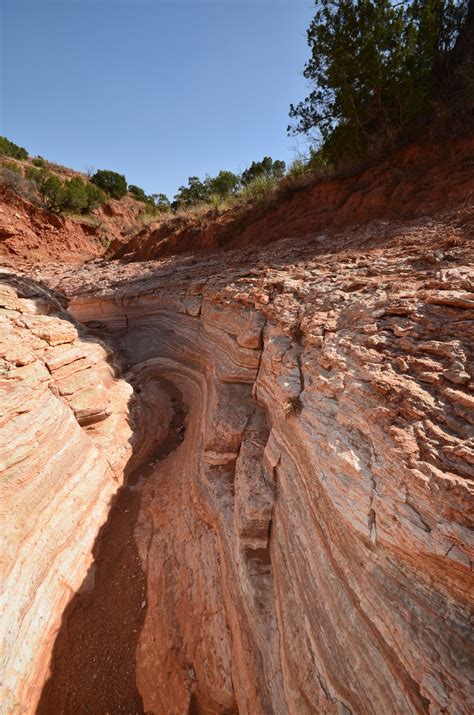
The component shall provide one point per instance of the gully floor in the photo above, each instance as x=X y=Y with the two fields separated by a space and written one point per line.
x=93 y=671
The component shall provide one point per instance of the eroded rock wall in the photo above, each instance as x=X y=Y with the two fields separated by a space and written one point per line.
x=65 y=441
x=308 y=547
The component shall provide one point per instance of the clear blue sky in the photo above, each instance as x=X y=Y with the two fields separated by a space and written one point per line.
x=158 y=90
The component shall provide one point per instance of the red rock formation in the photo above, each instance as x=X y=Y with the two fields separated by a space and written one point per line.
x=419 y=180
x=30 y=234
x=307 y=548
x=65 y=442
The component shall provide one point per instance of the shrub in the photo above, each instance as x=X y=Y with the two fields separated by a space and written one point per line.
x=95 y=196
x=223 y=185
x=137 y=193
x=39 y=161
x=38 y=176
x=267 y=167
x=194 y=193
x=11 y=166
x=375 y=69
x=111 y=182
x=11 y=149
x=52 y=191
x=10 y=178
x=299 y=167
x=260 y=186
x=161 y=202
x=75 y=196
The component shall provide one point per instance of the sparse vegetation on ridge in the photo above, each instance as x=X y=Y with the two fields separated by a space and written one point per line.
x=379 y=72
x=9 y=148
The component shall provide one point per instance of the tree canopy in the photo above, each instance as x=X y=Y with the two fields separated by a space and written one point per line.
x=267 y=167
x=374 y=69
x=9 y=148
x=224 y=184
x=111 y=182
x=227 y=184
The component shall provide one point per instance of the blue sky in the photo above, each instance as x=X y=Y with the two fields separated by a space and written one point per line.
x=156 y=89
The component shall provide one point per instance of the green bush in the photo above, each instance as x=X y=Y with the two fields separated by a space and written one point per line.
x=376 y=70
x=267 y=168
x=34 y=174
x=194 y=193
x=111 y=182
x=11 y=166
x=95 y=196
x=11 y=149
x=37 y=176
x=137 y=193
x=225 y=184
x=161 y=202
x=259 y=187
x=39 y=161
x=75 y=197
x=298 y=167
x=52 y=191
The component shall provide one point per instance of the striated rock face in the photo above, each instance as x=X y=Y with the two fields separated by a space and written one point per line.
x=65 y=442
x=307 y=547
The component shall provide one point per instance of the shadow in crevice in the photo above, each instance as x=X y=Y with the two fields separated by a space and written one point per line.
x=94 y=656
x=93 y=662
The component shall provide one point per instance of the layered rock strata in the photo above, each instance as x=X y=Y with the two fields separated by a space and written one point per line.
x=65 y=440
x=308 y=548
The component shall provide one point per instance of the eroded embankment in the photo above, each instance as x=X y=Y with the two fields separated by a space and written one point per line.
x=93 y=663
x=319 y=507
x=307 y=547
x=414 y=182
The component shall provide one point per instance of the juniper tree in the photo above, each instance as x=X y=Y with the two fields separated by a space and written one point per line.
x=373 y=70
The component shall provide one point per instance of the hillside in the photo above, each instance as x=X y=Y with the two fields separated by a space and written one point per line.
x=421 y=180
x=30 y=232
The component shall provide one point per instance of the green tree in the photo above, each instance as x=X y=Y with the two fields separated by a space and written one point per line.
x=74 y=195
x=224 y=184
x=95 y=196
x=137 y=193
x=161 y=202
x=9 y=148
x=111 y=182
x=194 y=193
x=265 y=168
x=373 y=70
x=52 y=191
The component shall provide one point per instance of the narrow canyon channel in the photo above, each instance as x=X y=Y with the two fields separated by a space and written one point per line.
x=94 y=664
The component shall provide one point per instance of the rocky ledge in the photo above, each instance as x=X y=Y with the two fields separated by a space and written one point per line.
x=308 y=545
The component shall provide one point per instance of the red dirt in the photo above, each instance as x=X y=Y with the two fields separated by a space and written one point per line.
x=29 y=233
x=93 y=665
x=422 y=179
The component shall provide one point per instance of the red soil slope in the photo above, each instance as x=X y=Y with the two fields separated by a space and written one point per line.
x=418 y=181
x=421 y=180
x=32 y=234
